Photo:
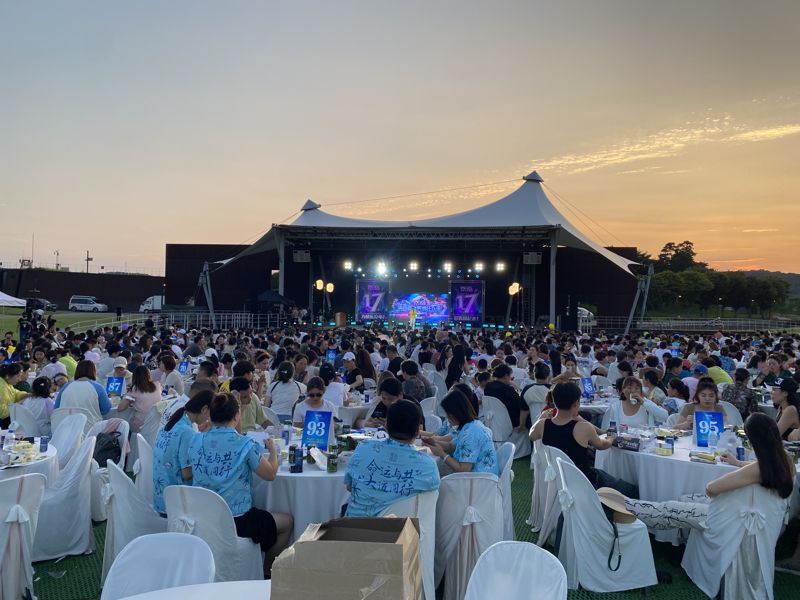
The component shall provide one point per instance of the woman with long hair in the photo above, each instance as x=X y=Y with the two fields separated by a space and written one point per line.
x=364 y=364
x=786 y=400
x=457 y=366
x=772 y=469
x=142 y=396
x=706 y=399
x=224 y=461
x=171 y=463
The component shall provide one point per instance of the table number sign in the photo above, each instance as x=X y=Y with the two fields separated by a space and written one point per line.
x=704 y=424
x=317 y=428
x=114 y=386
x=588 y=387
x=183 y=366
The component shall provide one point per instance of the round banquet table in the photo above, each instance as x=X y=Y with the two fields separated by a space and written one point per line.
x=350 y=414
x=47 y=466
x=313 y=496
x=241 y=590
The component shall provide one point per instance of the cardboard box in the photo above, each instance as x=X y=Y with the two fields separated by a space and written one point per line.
x=351 y=559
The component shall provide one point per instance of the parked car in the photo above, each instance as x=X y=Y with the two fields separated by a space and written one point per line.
x=86 y=304
x=40 y=304
x=152 y=304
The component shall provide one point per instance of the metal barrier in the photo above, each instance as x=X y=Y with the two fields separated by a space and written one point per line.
x=678 y=325
x=187 y=320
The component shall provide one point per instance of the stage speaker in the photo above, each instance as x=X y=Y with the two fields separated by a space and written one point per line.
x=301 y=256
x=531 y=258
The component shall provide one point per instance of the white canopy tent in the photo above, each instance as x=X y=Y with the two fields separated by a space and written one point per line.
x=527 y=211
x=10 y=301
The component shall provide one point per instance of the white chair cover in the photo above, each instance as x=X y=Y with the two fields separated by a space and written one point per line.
x=510 y=569
x=100 y=474
x=742 y=529
x=62 y=413
x=522 y=443
x=428 y=367
x=535 y=399
x=65 y=518
x=469 y=519
x=25 y=419
x=587 y=537
x=601 y=380
x=271 y=416
x=129 y=516
x=422 y=507
x=495 y=417
x=551 y=509
x=204 y=513
x=672 y=419
x=158 y=561
x=149 y=430
x=733 y=414
x=432 y=422
x=430 y=405
x=441 y=386
x=505 y=458
x=20 y=498
x=67 y=436
x=143 y=469
x=369 y=383
x=538 y=464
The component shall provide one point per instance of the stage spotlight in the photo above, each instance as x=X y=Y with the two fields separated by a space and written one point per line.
x=348 y=266
x=429 y=275
x=479 y=266
x=358 y=269
x=448 y=267
x=429 y=270
x=319 y=284
x=501 y=266
x=329 y=288
x=413 y=266
x=381 y=268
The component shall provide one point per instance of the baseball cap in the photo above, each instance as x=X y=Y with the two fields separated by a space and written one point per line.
x=120 y=361
x=786 y=384
x=700 y=369
x=686 y=364
x=210 y=352
x=349 y=356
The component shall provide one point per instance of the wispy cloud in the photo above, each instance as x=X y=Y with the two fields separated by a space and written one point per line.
x=767 y=134
x=759 y=230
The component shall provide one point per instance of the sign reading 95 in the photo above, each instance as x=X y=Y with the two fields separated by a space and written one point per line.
x=706 y=423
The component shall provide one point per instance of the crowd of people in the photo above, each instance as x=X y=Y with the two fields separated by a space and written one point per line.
x=217 y=385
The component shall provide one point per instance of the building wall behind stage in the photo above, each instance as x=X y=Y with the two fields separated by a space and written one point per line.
x=234 y=286
x=116 y=290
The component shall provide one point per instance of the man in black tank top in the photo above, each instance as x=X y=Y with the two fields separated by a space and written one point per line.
x=574 y=436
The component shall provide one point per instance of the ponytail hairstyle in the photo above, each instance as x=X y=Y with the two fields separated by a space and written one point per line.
x=194 y=405
x=10 y=370
x=41 y=387
x=223 y=408
x=285 y=372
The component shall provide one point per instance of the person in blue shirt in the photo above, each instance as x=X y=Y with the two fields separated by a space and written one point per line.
x=381 y=472
x=223 y=460
x=84 y=392
x=171 y=462
x=471 y=447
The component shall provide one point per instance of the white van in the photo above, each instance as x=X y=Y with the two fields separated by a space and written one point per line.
x=152 y=304
x=86 y=304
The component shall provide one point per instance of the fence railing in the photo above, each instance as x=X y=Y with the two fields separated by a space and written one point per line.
x=187 y=320
x=681 y=325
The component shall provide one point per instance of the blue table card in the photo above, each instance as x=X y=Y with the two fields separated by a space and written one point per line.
x=588 y=387
x=114 y=386
x=317 y=428
x=704 y=424
x=183 y=366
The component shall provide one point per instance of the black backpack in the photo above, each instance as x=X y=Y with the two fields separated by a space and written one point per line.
x=107 y=447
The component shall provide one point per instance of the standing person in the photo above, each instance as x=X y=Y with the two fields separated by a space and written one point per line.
x=574 y=436
x=171 y=462
x=142 y=396
x=85 y=392
x=224 y=461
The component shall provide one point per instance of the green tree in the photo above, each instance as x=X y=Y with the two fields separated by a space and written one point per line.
x=665 y=288
x=678 y=257
x=694 y=285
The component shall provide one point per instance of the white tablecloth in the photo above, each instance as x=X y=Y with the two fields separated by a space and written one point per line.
x=313 y=496
x=241 y=590
x=47 y=466
x=350 y=414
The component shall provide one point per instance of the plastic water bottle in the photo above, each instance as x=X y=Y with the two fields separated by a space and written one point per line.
x=286 y=434
x=10 y=439
x=713 y=440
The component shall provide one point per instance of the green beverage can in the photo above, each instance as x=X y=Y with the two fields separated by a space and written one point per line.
x=333 y=459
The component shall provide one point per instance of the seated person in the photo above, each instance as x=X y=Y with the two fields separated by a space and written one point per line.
x=171 y=463
x=706 y=399
x=773 y=469
x=251 y=413
x=633 y=408
x=389 y=391
x=574 y=436
x=224 y=461
x=785 y=399
x=740 y=394
x=381 y=472
x=500 y=387
x=415 y=386
x=315 y=390
x=471 y=448
x=677 y=395
x=40 y=403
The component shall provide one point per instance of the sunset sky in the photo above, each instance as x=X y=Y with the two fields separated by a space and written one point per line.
x=125 y=126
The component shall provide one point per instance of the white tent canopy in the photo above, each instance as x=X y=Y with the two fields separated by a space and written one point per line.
x=10 y=301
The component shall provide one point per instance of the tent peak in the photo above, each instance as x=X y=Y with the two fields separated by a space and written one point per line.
x=310 y=205
x=533 y=176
